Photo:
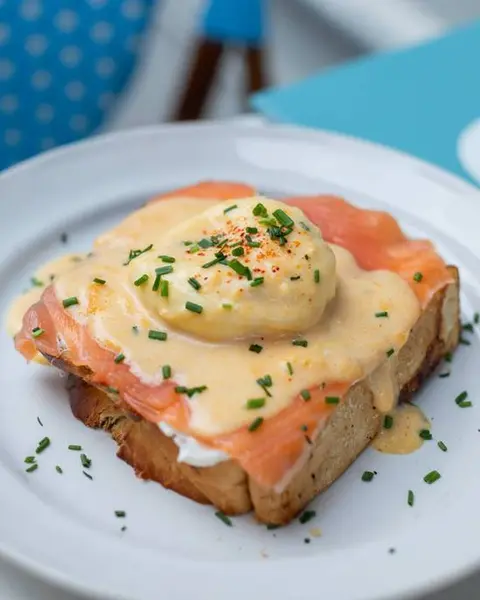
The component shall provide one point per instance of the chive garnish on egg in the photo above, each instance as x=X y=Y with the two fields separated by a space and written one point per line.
x=255 y=403
x=164 y=285
x=156 y=283
x=72 y=301
x=194 y=283
x=167 y=259
x=160 y=336
x=215 y=261
x=181 y=389
x=240 y=269
x=166 y=371
x=259 y=210
x=316 y=276
x=387 y=422
x=390 y=352
x=119 y=358
x=136 y=253
x=36 y=282
x=164 y=270
x=228 y=209
x=141 y=280
x=381 y=314
x=251 y=230
x=255 y=348
x=257 y=281
x=227 y=306
x=99 y=281
x=239 y=251
x=283 y=218
x=302 y=343
x=289 y=368
x=195 y=308
x=37 y=332
x=306 y=395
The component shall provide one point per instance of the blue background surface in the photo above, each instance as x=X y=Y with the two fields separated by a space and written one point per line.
x=417 y=100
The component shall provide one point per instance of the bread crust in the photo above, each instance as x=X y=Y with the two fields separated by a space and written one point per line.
x=348 y=432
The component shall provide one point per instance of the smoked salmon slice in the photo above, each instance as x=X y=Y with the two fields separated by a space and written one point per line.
x=269 y=452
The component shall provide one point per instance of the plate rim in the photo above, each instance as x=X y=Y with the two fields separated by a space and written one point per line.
x=284 y=132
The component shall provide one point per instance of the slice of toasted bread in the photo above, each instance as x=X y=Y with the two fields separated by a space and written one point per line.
x=348 y=432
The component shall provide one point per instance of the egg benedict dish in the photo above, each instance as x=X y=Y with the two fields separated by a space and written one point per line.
x=244 y=350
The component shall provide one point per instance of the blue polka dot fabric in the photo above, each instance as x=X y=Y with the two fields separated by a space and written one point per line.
x=63 y=63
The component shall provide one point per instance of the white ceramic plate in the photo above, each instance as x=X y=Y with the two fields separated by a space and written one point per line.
x=373 y=545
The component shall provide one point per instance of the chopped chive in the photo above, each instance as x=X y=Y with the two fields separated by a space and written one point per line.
x=164 y=285
x=418 y=277
x=254 y=425
x=39 y=422
x=443 y=375
x=283 y=218
x=36 y=282
x=255 y=403
x=302 y=343
x=160 y=336
x=332 y=399
x=448 y=357
x=304 y=427
x=466 y=404
x=467 y=327
x=306 y=395
x=86 y=462
x=59 y=469
x=235 y=244
x=30 y=460
x=194 y=249
x=42 y=445
x=266 y=380
x=194 y=283
x=253 y=244
x=410 y=498
x=119 y=358
x=255 y=348
x=390 y=352
x=259 y=210
x=382 y=313
x=32 y=468
x=476 y=318
x=37 y=332
x=304 y=226
x=166 y=371
x=164 y=270
x=75 y=447
x=227 y=210
x=99 y=281
x=121 y=514
x=442 y=446
x=461 y=397
x=87 y=475
x=239 y=251
x=367 y=476
x=240 y=269
x=257 y=281
x=316 y=276
x=432 y=477
x=156 y=283
x=295 y=277
x=251 y=230
x=223 y=517
x=425 y=434
x=112 y=390
x=124 y=528
x=388 y=422
x=307 y=516
x=135 y=253
x=272 y=526
x=268 y=222
x=167 y=259
x=215 y=261
x=70 y=302
x=465 y=342
x=205 y=243
x=227 y=306
x=181 y=389
x=195 y=308
x=289 y=368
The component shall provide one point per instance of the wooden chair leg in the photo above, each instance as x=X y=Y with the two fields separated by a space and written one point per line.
x=200 y=80
x=255 y=72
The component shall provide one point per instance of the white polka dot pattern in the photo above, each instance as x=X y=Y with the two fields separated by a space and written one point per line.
x=63 y=64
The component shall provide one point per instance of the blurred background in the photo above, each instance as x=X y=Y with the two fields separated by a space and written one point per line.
x=71 y=68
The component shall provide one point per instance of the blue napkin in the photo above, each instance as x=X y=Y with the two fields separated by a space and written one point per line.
x=418 y=100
